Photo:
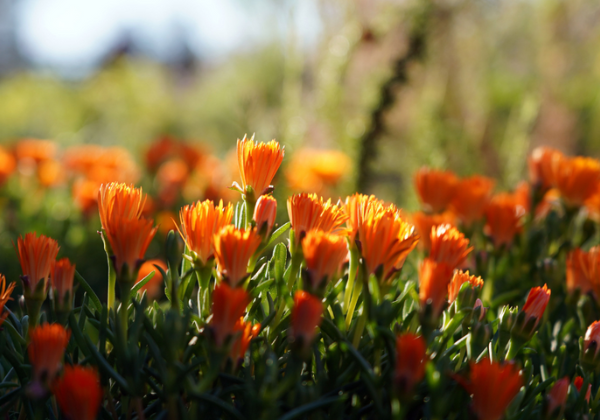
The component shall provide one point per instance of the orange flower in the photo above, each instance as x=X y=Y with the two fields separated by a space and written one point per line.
x=85 y=195
x=449 y=246
x=411 y=358
x=578 y=382
x=592 y=203
x=592 y=338
x=258 y=163
x=36 y=255
x=35 y=150
x=324 y=254
x=314 y=170
x=247 y=333
x=46 y=351
x=557 y=397
x=425 y=222
x=306 y=317
x=541 y=166
x=589 y=263
x=62 y=282
x=357 y=207
x=233 y=250
x=434 y=278
x=435 y=188
x=460 y=278
x=265 y=213
x=308 y=212
x=7 y=165
x=4 y=297
x=228 y=307
x=536 y=303
x=576 y=178
x=199 y=224
x=503 y=218
x=154 y=287
x=493 y=386
x=577 y=261
x=470 y=198
x=386 y=239
x=129 y=241
x=50 y=173
x=79 y=393
x=119 y=202
x=522 y=196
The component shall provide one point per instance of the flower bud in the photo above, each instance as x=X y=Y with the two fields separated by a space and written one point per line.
x=508 y=317
x=590 y=357
x=411 y=358
x=554 y=403
x=478 y=340
x=264 y=214
x=306 y=317
x=464 y=289
x=531 y=314
x=578 y=383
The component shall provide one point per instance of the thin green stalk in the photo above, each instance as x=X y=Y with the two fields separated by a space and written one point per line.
x=360 y=327
x=351 y=276
x=124 y=313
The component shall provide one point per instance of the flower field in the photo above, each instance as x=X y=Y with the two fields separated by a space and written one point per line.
x=483 y=305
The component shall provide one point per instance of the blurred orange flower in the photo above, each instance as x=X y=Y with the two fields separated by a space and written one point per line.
x=503 y=218
x=592 y=338
x=247 y=333
x=265 y=213
x=576 y=178
x=541 y=166
x=79 y=393
x=435 y=188
x=35 y=150
x=324 y=254
x=233 y=250
x=434 y=278
x=62 y=276
x=449 y=246
x=578 y=383
x=4 y=297
x=536 y=303
x=424 y=223
x=7 y=165
x=258 y=163
x=470 y=198
x=306 y=317
x=228 y=306
x=577 y=262
x=154 y=287
x=411 y=358
x=493 y=386
x=315 y=170
x=46 y=350
x=557 y=397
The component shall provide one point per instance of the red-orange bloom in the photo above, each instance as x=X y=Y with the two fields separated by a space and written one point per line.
x=247 y=333
x=460 y=278
x=536 y=303
x=577 y=263
x=324 y=253
x=386 y=239
x=36 y=254
x=449 y=246
x=592 y=203
x=592 y=337
x=470 y=198
x=118 y=202
x=4 y=297
x=435 y=188
x=258 y=163
x=229 y=305
x=306 y=317
x=425 y=222
x=434 y=279
x=7 y=165
x=578 y=382
x=46 y=350
x=265 y=213
x=541 y=166
x=308 y=212
x=411 y=358
x=503 y=218
x=493 y=386
x=199 y=224
x=576 y=178
x=557 y=397
x=590 y=265
x=154 y=287
x=233 y=250
x=79 y=393
x=357 y=207
x=35 y=150
x=62 y=276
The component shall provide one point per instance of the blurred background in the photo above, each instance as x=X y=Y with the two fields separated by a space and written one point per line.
x=361 y=93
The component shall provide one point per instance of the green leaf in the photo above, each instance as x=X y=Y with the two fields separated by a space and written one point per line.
x=278 y=232
x=93 y=297
x=278 y=261
x=142 y=283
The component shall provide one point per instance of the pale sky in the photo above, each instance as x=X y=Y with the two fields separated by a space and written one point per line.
x=76 y=33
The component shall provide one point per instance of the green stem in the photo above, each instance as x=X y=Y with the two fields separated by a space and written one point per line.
x=124 y=313
x=34 y=307
x=360 y=326
x=355 y=296
x=351 y=276
x=296 y=262
x=249 y=207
